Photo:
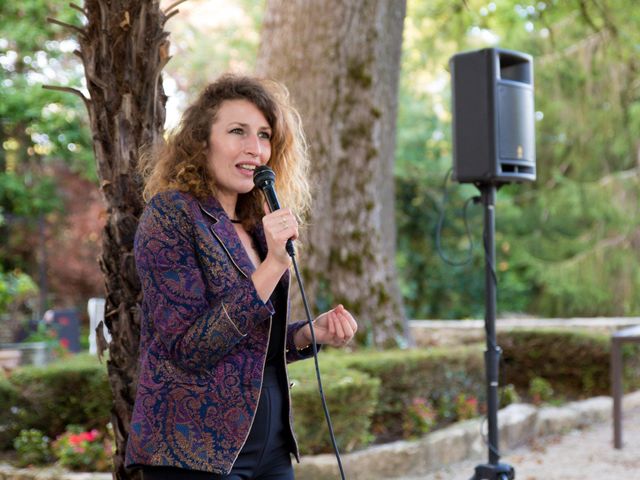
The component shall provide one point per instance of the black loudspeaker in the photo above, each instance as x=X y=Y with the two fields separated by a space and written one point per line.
x=493 y=117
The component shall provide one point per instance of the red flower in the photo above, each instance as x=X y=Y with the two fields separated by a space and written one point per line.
x=75 y=439
x=90 y=436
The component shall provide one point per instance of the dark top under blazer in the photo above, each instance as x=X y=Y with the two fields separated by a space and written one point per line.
x=203 y=340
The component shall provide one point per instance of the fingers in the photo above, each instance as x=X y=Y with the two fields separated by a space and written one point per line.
x=281 y=224
x=345 y=325
x=349 y=319
x=332 y=324
x=279 y=227
x=340 y=333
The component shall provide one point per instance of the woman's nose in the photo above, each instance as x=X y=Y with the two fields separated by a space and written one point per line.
x=252 y=145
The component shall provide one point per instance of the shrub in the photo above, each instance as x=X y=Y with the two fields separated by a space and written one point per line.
x=540 y=390
x=575 y=363
x=420 y=418
x=351 y=398
x=32 y=447
x=79 y=449
x=508 y=395
x=15 y=288
x=437 y=375
x=74 y=390
x=466 y=407
x=9 y=423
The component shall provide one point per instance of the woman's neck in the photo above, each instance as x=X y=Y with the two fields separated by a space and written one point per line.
x=228 y=202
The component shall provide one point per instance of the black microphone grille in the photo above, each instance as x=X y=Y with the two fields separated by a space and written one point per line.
x=262 y=176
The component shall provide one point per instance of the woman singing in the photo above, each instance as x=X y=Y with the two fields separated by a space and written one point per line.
x=213 y=395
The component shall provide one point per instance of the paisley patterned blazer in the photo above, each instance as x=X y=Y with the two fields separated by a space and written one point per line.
x=203 y=340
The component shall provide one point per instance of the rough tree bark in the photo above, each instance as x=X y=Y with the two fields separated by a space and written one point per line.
x=340 y=60
x=123 y=47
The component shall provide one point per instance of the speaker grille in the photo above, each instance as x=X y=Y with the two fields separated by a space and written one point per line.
x=515 y=120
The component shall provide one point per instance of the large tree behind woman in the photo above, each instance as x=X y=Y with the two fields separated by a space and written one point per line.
x=340 y=60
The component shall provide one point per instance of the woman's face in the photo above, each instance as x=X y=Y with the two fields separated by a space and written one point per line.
x=239 y=141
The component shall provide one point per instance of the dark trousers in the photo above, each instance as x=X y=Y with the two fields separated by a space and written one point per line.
x=265 y=455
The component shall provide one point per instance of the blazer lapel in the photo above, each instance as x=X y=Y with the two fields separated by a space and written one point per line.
x=223 y=231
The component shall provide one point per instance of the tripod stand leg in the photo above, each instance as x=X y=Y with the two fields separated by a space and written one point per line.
x=498 y=471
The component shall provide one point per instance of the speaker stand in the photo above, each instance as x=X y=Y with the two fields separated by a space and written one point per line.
x=494 y=470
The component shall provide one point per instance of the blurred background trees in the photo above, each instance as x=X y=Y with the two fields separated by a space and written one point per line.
x=50 y=213
x=567 y=244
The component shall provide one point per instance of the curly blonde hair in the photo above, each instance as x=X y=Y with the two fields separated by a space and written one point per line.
x=180 y=162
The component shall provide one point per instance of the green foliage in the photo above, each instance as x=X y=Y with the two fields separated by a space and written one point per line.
x=466 y=406
x=25 y=196
x=420 y=418
x=351 y=396
x=431 y=288
x=15 y=289
x=40 y=125
x=74 y=390
x=540 y=390
x=575 y=363
x=39 y=129
x=509 y=395
x=580 y=219
x=9 y=421
x=436 y=375
x=17 y=295
x=32 y=447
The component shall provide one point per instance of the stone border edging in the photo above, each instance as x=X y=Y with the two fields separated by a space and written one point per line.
x=7 y=472
x=428 y=333
x=518 y=423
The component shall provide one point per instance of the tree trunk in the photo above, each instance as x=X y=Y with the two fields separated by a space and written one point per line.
x=123 y=48
x=340 y=60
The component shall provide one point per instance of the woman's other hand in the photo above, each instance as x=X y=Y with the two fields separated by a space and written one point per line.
x=335 y=327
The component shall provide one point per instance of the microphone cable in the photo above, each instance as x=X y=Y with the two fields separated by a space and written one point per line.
x=315 y=359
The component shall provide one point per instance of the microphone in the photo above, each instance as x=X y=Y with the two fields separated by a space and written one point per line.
x=264 y=178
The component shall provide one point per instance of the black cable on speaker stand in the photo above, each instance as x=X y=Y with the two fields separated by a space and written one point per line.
x=494 y=470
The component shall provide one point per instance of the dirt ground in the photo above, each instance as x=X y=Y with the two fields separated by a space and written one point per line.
x=579 y=455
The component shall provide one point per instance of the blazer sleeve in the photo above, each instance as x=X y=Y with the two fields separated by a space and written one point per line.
x=196 y=332
x=292 y=353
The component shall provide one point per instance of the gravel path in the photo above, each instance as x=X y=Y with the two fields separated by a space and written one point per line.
x=579 y=455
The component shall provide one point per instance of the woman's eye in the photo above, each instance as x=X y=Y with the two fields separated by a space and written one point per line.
x=237 y=130
x=265 y=135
